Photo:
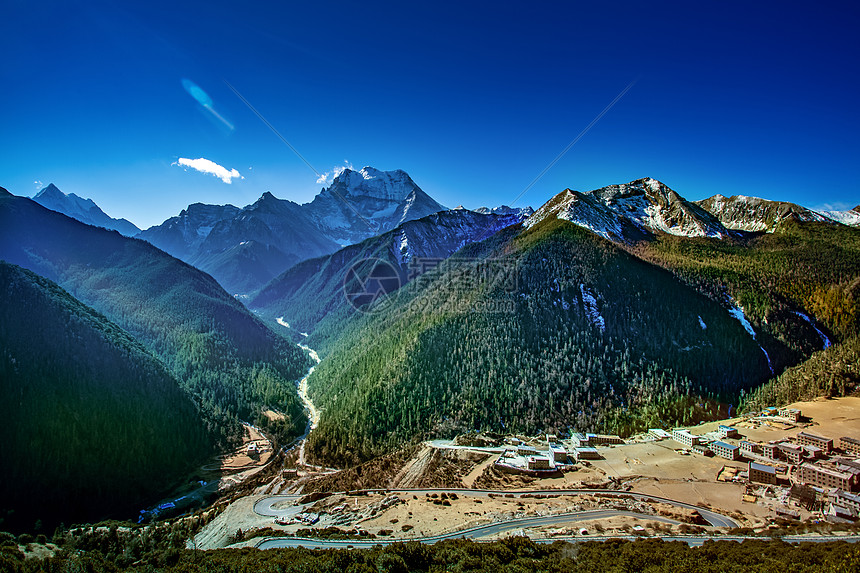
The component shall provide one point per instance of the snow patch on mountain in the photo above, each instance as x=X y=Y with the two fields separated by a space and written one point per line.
x=631 y=211
x=590 y=307
x=702 y=324
x=850 y=218
x=824 y=339
x=739 y=315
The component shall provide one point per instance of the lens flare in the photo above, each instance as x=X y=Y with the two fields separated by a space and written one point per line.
x=203 y=99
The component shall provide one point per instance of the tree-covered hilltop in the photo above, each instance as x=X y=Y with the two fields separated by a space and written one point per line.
x=512 y=555
x=91 y=423
x=809 y=267
x=587 y=336
x=831 y=372
x=232 y=364
x=801 y=284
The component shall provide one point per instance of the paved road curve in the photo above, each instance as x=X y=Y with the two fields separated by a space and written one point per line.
x=264 y=506
x=472 y=532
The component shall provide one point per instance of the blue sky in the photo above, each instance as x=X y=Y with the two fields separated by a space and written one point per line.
x=472 y=99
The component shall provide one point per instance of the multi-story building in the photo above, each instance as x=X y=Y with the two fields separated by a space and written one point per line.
x=771 y=451
x=821 y=476
x=793 y=454
x=806 y=439
x=524 y=450
x=586 y=454
x=761 y=473
x=725 y=450
x=727 y=431
x=792 y=414
x=750 y=448
x=559 y=454
x=850 y=501
x=603 y=439
x=538 y=463
x=702 y=449
x=684 y=437
x=849 y=445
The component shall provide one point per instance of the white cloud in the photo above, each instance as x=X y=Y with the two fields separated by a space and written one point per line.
x=835 y=206
x=37 y=183
x=206 y=166
x=330 y=176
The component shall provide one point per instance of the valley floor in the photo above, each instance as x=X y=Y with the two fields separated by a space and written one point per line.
x=437 y=490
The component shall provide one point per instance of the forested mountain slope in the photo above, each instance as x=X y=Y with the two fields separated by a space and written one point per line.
x=319 y=289
x=91 y=423
x=231 y=362
x=586 y=336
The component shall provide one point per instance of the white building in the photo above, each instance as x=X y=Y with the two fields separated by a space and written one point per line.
x=684 y=437
x=727 y=431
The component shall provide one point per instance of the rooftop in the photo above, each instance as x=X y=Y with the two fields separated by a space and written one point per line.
x=762 y=468
x=724 y=445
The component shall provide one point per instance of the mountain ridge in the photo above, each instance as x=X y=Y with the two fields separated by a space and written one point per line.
x=630 y=212
x=245 y=248
x=84 y=210
x=98 y=425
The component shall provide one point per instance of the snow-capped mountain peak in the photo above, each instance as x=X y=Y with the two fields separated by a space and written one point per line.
x=753 y=214
x=631 y=211
x=84 y=210
x=360 y=204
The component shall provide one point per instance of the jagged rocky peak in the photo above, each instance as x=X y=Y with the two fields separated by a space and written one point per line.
x=855 y=209
x=84 y=210
x=753 y=214
x=370 y=182
x=203 y=211
x=631 y=211
x=51 y=191
x=523 y=212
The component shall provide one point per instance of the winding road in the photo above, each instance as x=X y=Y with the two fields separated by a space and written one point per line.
x=265 y=508
x=473 y=532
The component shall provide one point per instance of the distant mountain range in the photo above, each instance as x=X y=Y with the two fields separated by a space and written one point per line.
x=84 y=210
x=245 y=248
x=645 y=208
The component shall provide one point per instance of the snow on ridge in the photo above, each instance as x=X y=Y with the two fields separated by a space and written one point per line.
x=739 y=315
x=850 y=218
x=590 y=304
x=824 y=339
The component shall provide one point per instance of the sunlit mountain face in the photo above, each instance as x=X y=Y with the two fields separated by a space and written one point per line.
x=475 y=289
